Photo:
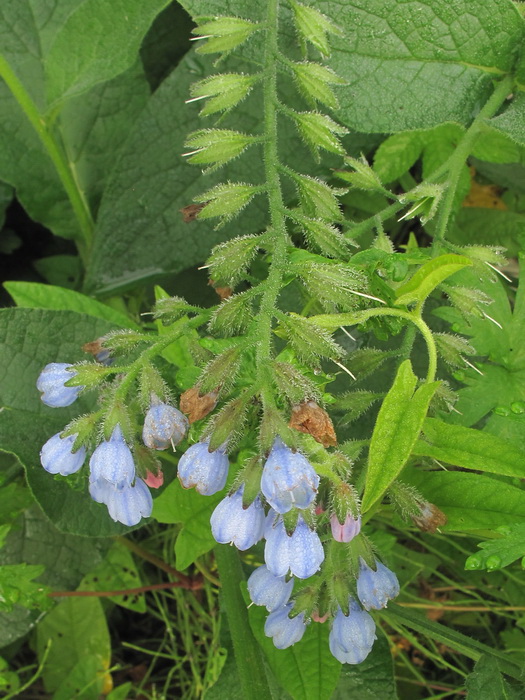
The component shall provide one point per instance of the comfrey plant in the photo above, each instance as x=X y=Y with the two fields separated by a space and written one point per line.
x=264 y=357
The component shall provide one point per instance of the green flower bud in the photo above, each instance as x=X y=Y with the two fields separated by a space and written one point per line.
x=229 y=261
x=362 y=176
x=226 y=200
x=124 y=341
x=425 y=198
x=229 y=422
x=324 y=237
x=293 y=384
x=354 y=404
x=309 y=341
x=223 y=34
x=336 y=287
x=314 y=82
x=317 y=198
x=467 y=300
x=452 y=348
x=88 y=374
x=170 y=309
x=215 y=147
x=233 y=315
x=222 y=92
x=314 y=26
x=221 y=372
x=319 y=131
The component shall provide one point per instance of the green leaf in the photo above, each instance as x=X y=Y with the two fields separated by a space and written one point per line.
x=470 y=501
x=96 y=43
x=501 y=551
x=397 y=154
x=396 y=430
x=371 y=679
x=486 y=682
x=468 y=646
x=76 y=628
x=470 y=449
x=83 y=682
x=307 y=670
x=17 y=587
x=30 y=339
x=187 y=507
x=116 y=572
x=64 y=559
x=33 y=295
x=402 y=74
x=512 y=121
x=429 y=276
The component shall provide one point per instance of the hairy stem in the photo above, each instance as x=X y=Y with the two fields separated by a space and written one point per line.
x=76 y=196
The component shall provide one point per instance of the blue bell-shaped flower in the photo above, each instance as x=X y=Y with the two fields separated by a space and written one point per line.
x=300 y=553
x=376 y=588
x=352 y=636
x=57 y=456
x=233 y=524
x=288 y=479
x=112 y=460
x=266 y=589
x=163 y=425
x=51 y=383
x=284 y=630
x=206 y=471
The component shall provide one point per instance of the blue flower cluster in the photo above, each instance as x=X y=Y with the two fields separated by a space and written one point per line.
x=113 y=478
x=289 y=482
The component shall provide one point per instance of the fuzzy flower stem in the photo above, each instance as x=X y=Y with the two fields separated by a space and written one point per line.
x=275 y=201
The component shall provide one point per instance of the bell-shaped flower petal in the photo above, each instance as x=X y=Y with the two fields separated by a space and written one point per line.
x=57 y=456
x=100 y=490
x=376 y=588
x=352 y=636
x=233 y=524
x=284 y=630
x=345 y=532
x=288 y=479
x=128 y=505
x=112 y=460
x=266 y=589
x=164 y=425
x=206 y=471
x=51 y=383
x=300 y=553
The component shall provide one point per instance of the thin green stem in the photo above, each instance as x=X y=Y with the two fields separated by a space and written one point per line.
x=254 y=684
x=275 y=201
x=76 y=196
x=458 y=158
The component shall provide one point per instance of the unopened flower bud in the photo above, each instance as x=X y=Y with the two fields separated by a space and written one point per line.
x=154 y=481
x=57 y=456
x=163 y=425
x=376 y=588
x=352 y=636
x=346 y=531
x=51 y=382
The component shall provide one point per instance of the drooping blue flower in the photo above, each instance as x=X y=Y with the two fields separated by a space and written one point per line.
x=376 y=588
x=206 y=471
x=345 y=532
x=266 y=589
x=126 y=504
x=284 y=630
x=300 y=553
x=57 y=456
x=231 y=523
x=51 y=383
x=163 y=425
x=288 y=479
x=112 y=460
x=352 y=636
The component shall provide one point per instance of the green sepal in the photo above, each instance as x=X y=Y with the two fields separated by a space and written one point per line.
x=334 y=286
x=170 y=309
x=467 y=300
x=82 y=426
x=229 y=261
x=314 y=82
x=317 y=198
x=323 y=236
x=344 y=501
x=223 y=34
x=305 y=600
x=452 y=348
x=146 y=461
x=362 y=176
x=222 y=91
x=313 y=26
x=226 y=200
x=273 y=425
x=250 y=476
x=221 y=372
x=309 y=341
x=215 y=147
x=228 y=423
x=425 y=199
x=88 y=374
x=319 y=131
x=233 y=315
x=354 y=404
x=366 y=361
x=152 y=387
x=124 y=341
x=293 y=384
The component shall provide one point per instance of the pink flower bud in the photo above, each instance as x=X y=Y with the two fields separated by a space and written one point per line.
x=348 y=530
x=154 y=481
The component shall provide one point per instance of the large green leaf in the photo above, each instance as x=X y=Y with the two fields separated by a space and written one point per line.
x=372 y=679
x=471 y=449
x=508 y=546
x=192 y=511
x=486 y=682
x=396 y=430
x=470 y=501
x=512 y=121
x=30 y=339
